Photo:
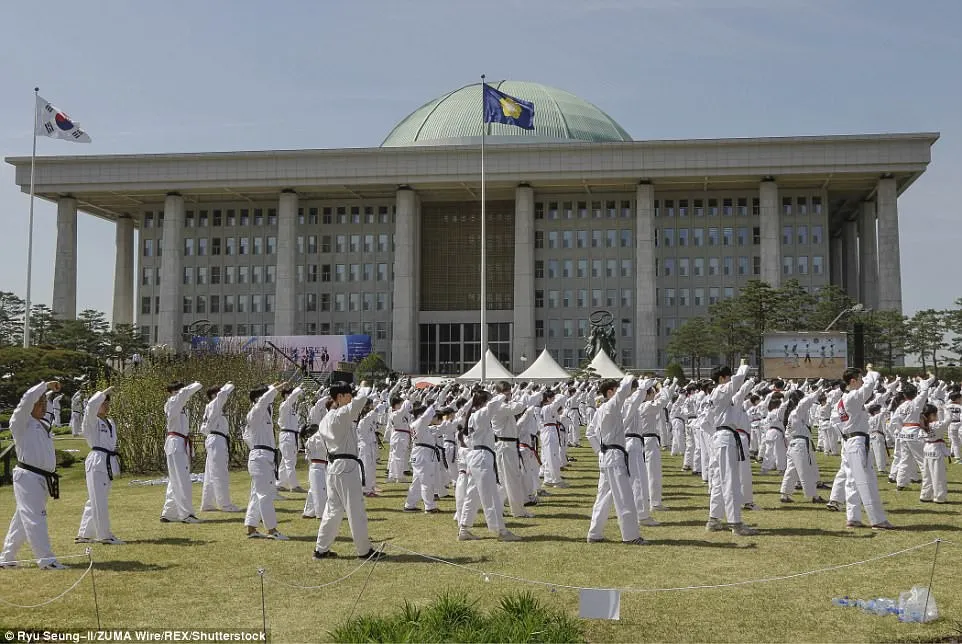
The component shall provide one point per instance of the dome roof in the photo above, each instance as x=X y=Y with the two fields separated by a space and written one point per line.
x=456 y=118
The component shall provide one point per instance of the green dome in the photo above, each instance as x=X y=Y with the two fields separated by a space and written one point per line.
x=456 y=118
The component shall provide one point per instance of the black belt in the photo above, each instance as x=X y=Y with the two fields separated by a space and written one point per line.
x=808 y=445
x=490 y=451
x=605 y=447
x=508 y=439
x=642 y=439
x=865 y=437
x=110 y=454
x=438 y=452
x=655 y=436
x=226 y=438
x=738 y=441
x=349 y=457
x=291 y=431
x=275 y=452
x=53 y=479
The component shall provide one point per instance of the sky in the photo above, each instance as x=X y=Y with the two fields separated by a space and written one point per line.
x=219 y=75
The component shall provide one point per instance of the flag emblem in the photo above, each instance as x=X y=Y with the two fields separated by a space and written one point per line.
x=63 y=121
x=510 y=108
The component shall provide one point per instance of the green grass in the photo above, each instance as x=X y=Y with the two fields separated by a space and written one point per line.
x=205 y=576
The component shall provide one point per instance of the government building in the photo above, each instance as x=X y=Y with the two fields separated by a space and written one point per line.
x=385 y=241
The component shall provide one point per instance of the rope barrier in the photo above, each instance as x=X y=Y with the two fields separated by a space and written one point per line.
x=330 y=583
x=488 y=574
x=59 y=558
x=50 y=601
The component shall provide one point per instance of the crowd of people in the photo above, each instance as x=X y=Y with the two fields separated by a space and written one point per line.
x=500 y=447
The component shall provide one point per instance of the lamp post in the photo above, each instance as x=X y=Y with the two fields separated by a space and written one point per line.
x=858 y=338
x=856 y=308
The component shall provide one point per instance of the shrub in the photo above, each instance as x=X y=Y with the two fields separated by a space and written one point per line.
x=65 y=459
x=452 y=617
x=674 y=370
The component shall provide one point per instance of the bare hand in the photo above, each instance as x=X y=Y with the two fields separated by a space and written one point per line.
x=53 y=385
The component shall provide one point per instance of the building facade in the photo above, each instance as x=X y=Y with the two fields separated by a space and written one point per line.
x=386 y=241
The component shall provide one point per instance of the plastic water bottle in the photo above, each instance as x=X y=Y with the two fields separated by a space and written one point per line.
x=841 y=602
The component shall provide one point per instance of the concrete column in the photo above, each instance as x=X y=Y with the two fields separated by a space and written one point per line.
x=850 y=264
x=406 y=271
x=890 y=267
x=65 y=263
x=523 y=340
x=646 y=336
x=169 y=321
x=285 y=300
x=771 y=233
x=868 y=256
x=835 y=259
x=124 y=272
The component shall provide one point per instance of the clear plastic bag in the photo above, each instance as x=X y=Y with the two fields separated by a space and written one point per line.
x=917 y=605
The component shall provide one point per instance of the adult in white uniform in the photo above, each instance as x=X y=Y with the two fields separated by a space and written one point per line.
x=801 y=455
x=345 y=474
x=34 y=479
x=606 y=434
x=861 y=483
x=635 y=447
x=652 y=418
x=287 y=419
x=552 y=432
x=261 y=464
x=424 y=462
x=399 y=424
x=954 y=413
x=508 y=444
x=215 y=494
x=316 y=454
x=100 y=467
x=178 y=505
x=77 y=413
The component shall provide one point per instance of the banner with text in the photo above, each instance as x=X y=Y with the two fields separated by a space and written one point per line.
x=312 y=352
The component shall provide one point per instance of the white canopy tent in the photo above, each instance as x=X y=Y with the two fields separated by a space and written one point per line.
x=544 y=369
x=604 y=367
x=493 y=369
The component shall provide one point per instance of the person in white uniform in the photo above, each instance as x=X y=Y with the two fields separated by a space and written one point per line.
x=262 y=464
x=34 y=479
x=345 y=474
x=861 y=482
x=954 y=413
x=178 y=505
x=935 y=486
x=399 y=424
x=801 y=454
x=316 y=451
x=77 y=412
x=606 y=434
x=289 y=422
x=425 y=460
x=215 y=494
x=100 y=467
x=507 y=447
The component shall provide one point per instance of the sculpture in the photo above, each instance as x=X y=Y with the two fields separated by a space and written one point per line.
x=601 y=336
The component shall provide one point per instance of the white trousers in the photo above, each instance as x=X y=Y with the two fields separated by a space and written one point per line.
x=344 y=496
x=482 y=489
x=725 y=487
x=76 y=423
x=861 y=483
x=653 y=465
x=748 y=495
x=215 y=493
x=260 y=506
x=95 y=520
x=398 y=456
x=955 y=438
x=551 y=459
x=423 y=467
x=801 y=467
x=367 y=452
x=614 y=486
x=316 y=499
x=529 y=473
x=935 y=485
x=637 y=478
x=178 y=504
x=509 y=469
x=775 y=457
x=287 y=471
x=911 y=461
x=677 y=436
x=691 y=447
x=29 y=522
x=879 y=451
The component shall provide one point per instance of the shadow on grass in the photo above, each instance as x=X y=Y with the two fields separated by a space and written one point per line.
x=128 y=566
x=813 y=532
x=561 y=515
x=925 y=527
x=917 y=511
x=552 y=537
x=236 y=519
x=403 y=557
x=697 y=543
x=170 y=541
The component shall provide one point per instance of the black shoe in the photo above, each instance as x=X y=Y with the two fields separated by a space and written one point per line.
x=373 y=554
x=822 y=486
x=407 y=509
x=329 y=554
x=165 y=520
x=407 y=473
x=530 y=504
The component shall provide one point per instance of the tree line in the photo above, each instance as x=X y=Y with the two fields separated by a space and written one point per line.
x=735 y=327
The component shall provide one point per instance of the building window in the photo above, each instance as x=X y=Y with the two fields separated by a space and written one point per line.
x=145 y=305
x=698 y=237
x=786 y=205
x=816 y=234
x=244 y=246
x=817 y=265
x=802 y=234
x=202 y=247
x=803 y=264
x=188 y=247
x=788 y=263
x=272 y=245
x=683 y=237
x=188 y=275
x=712 y=236
x=786 y=235
x=202 y=275
x=668 y=237
x=742 y=236
x=188 y=304
x=756 y=265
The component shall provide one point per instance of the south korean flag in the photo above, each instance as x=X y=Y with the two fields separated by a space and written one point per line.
x=55 y=123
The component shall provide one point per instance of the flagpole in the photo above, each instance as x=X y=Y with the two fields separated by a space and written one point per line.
x=33 y=163
x=484 y=290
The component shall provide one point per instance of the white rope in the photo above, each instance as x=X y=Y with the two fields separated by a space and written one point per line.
x=50 y=601
x=330 y=583
x=20 y=561
x=763 y=580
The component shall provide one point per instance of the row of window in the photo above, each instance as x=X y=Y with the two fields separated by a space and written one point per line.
x=555 y=210
x=694 y=297
x=306 y=244
x=574 y=328
x=728 y=207
x=695 y=267
x=610 y=238
x=578 y=298
x=570 y=268
x=368 y=215
x=377 y=330
x=697 y=237
x=311 y=302
x=264 y=303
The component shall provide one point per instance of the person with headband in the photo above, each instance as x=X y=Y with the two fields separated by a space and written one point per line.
x=100 y=467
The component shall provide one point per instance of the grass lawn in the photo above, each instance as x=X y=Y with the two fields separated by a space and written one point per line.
x=205 y=576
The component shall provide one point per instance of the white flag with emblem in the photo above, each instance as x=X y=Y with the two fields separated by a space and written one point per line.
x=55 y=123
